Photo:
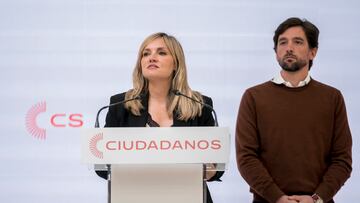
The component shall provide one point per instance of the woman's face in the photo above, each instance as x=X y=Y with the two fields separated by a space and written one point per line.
x=157 y=62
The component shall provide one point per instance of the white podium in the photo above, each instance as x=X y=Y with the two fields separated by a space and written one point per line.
x=156 y=164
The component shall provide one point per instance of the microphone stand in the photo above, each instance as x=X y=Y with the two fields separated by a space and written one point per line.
x=108 y=166
x=178 y=93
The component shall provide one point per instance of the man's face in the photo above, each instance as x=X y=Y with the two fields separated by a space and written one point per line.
x=292 y=50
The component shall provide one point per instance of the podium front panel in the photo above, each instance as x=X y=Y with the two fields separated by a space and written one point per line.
x=164 y=183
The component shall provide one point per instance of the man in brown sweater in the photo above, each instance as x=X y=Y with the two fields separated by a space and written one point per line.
x=293 y=142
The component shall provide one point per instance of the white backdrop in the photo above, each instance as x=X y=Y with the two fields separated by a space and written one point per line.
x=75 y=54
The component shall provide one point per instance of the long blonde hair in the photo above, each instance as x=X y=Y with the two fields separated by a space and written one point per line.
x=185 y=108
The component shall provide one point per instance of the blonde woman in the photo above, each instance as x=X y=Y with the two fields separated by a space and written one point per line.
x=160 y=69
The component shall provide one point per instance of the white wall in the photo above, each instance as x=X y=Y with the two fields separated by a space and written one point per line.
x=75 y=54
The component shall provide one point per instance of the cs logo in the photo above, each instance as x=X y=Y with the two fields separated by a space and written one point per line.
x=93 y=146
x=57 y=120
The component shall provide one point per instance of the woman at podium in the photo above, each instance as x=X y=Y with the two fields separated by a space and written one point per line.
x=161 y=95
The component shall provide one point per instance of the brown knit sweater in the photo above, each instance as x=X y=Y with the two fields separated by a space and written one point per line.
x=293 y=140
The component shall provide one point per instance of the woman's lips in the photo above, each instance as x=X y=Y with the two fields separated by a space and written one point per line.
x=152 y=66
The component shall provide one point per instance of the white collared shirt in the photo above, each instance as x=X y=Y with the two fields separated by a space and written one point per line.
x=280 y=80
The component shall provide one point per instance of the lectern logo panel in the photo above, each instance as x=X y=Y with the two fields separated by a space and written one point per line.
x=142 y=145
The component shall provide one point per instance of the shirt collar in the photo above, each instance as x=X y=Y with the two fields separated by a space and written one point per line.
x=280 y=80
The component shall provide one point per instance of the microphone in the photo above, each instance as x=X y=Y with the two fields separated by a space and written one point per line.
x=107 y=174
x=178 y=93
x=114 y=104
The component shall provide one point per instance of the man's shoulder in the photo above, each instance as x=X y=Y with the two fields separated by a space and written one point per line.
x=324 y=87
x=258 y=91
x=260 y=87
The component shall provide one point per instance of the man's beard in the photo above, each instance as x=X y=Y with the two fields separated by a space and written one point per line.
x=294 y=66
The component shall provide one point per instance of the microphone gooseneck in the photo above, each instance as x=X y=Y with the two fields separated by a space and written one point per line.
x=178 y=93
x=114 y=104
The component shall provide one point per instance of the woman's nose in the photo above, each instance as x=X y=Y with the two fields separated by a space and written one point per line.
x=152 y=58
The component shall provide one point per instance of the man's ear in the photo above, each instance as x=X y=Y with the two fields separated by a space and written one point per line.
x=313 y=53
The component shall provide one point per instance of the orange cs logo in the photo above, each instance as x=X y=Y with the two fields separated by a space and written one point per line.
x=58 y=120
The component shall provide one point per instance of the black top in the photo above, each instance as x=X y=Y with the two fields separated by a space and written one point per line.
x=119 y=116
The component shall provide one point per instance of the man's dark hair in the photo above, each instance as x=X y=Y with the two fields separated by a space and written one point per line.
x=311 y=32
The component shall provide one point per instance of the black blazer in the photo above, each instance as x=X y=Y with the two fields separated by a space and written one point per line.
x=119 y=116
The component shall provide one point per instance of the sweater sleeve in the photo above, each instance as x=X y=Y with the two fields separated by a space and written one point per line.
x=247 y=152
x=340 y=156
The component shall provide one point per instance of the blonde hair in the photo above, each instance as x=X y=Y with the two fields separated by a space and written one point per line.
x=185 y=108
